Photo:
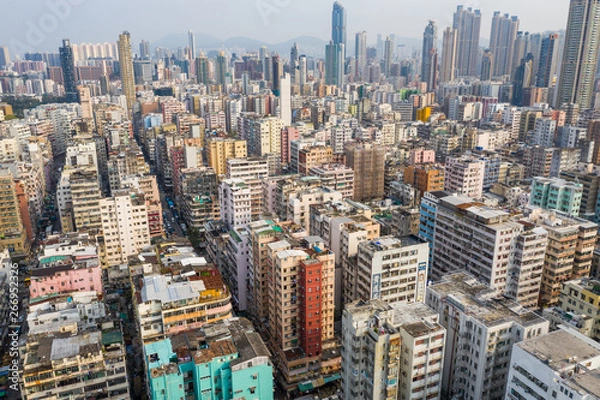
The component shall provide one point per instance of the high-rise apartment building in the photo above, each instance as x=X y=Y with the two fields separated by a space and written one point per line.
x=336 y=177
x=556 y=194
x=263 y=134
x=464 y=175
x=221 y=70
x=367 y=160
x=563 y=364
x=252 y=171
x=569 y=253
x=391 y=269
x=4 y=56
x=481 y=329
x=202 y=69
x=126 y=65
x=502 y=42
x=580 y=55
x=582 y=296
x=487 y=66
x=13 y=236
x=505 y=254
x=235 y=200
x=334 y=64
x=429 y=56
x=389 y=55
x=313 y=156
x=391 y=352
x=219 y=150
x=467 y=23
x=548 y=61
x=124 y=227
x=361 y=54
x=301 y=306
x=67 y=64
x=448 y=62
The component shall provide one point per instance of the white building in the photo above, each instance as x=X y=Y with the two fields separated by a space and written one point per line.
x=464 y=175
x=391 y=352
x=252 y=171
x=336 y=177
x=285 y=100
x=544 y=132
x=298 y=207
x=481 y=329
x=125 y=230
x=392 y=269
x=562 y=365
x=503 y=253
x=236 y=266
x=340 y=135
x=235 y=201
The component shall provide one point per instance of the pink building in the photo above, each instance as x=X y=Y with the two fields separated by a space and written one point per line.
x=421 y=156
x=66 y=274
x=288 y=134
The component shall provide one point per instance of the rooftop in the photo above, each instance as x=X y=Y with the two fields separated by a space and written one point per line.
x=479 y=301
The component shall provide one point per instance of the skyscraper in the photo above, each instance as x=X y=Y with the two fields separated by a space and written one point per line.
x=126 y=63
x=263 y=58
x=390 y=47
x=294 y=60
x=429 y=55
x=285 y=99
x=334 y=64
x=302 y=68
x=502 y=42
x=277 y=74
x=448 y=64
x=523 y=79
x=520 y=51
x=548 y=61
x=361 y=53
x=221 y=70
x=144 y=49
x=487 y=66
x=192 y=43
x=67 y=64
x=4 y=56
x=338 y=24
x=202 y=69
x=580 y=55
x=467 y=22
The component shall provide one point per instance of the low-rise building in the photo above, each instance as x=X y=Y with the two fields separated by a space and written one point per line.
x=223 y=360
x=170 y=304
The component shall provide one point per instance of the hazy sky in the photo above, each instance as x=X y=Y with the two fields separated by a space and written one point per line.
x=39 y=25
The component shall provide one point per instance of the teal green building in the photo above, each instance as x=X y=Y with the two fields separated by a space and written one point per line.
x=225 y=360
x=556 y=194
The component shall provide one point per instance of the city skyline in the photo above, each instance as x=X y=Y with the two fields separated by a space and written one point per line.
x=271 y=22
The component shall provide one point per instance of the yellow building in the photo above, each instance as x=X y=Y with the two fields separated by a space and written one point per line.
x=582 y=296
x=12 y=232
x=219 y=150
x=423 y=114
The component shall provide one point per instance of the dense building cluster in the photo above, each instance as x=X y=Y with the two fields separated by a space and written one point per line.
x=243 y=224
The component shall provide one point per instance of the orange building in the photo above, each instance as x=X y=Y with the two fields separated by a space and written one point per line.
x=428 y=178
